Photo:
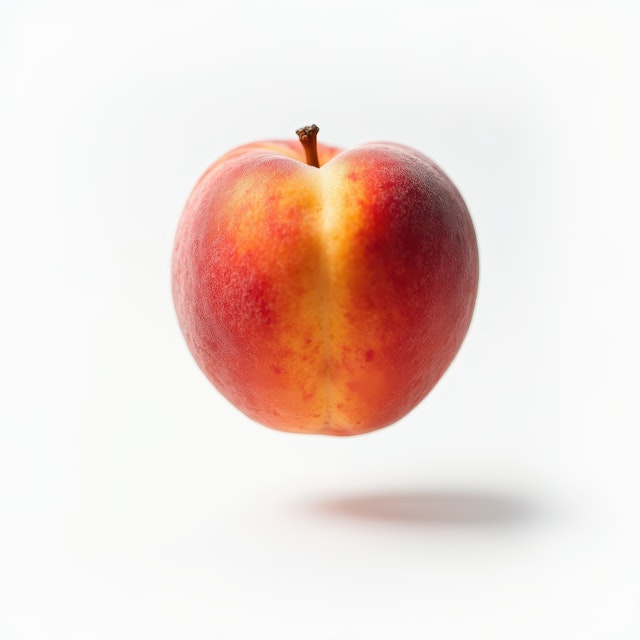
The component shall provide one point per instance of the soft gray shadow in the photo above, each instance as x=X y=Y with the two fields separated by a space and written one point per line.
x=426 y=508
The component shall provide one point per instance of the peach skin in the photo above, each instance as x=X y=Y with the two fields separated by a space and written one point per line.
x=320 y=290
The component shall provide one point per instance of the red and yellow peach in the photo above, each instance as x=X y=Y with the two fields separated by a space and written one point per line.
x=324 y=299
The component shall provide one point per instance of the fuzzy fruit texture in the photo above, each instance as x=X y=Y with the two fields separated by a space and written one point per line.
x=324 y=300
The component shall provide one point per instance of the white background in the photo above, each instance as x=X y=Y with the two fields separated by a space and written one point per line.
x=137 y=503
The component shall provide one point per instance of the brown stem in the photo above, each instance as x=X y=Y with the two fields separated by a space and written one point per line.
x=307 y=136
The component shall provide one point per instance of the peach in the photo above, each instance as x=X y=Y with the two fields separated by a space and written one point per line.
x=320 y=290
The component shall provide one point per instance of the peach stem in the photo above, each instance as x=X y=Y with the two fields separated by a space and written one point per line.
x=307 y=136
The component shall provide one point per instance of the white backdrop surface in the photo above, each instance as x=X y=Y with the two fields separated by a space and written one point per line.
x=137 y=503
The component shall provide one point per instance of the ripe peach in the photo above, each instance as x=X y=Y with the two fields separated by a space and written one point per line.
x=325 y=296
